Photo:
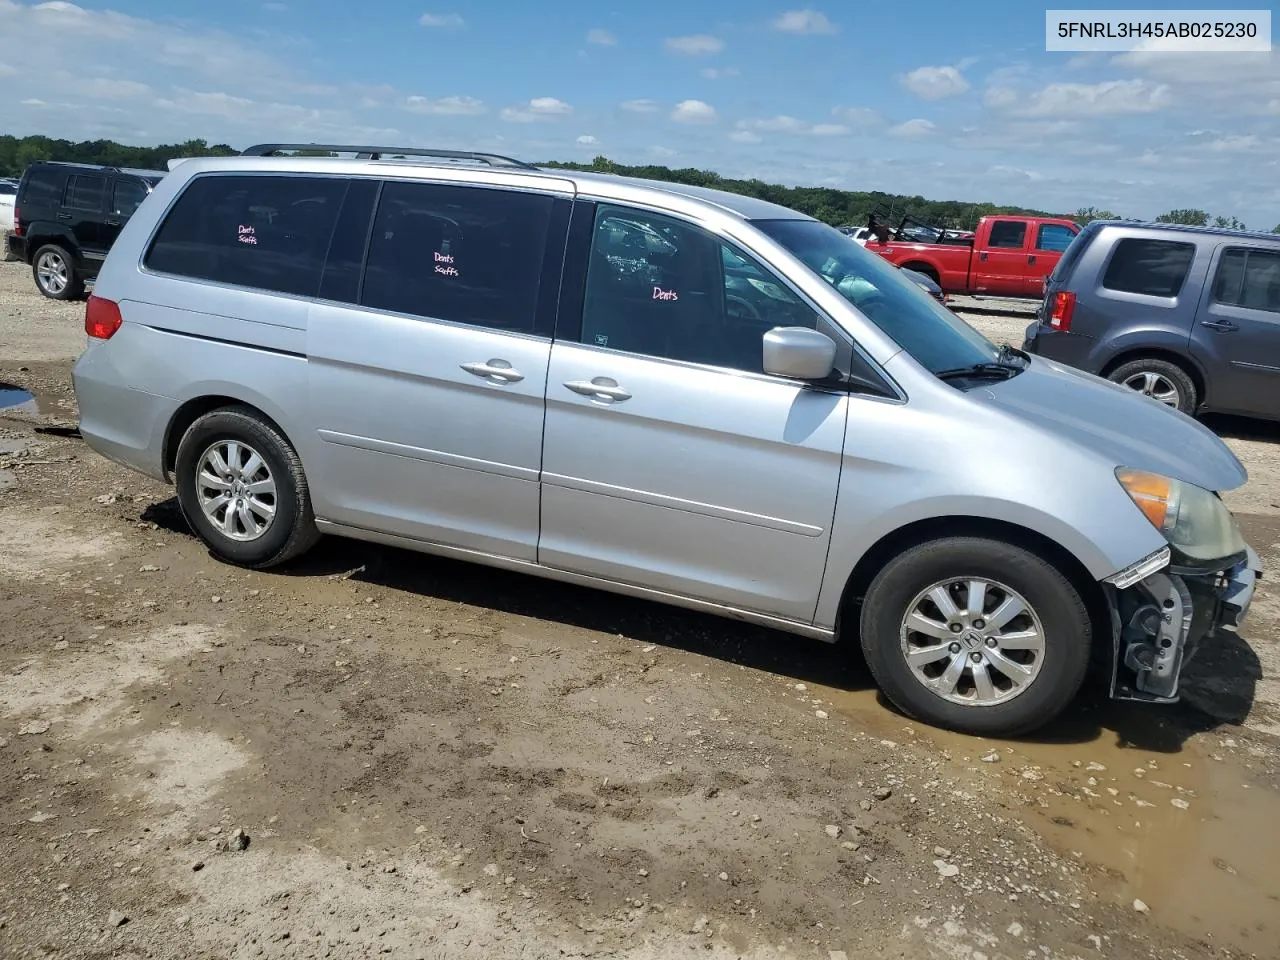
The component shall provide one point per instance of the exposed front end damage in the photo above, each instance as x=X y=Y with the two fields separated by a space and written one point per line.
x=1162 y=611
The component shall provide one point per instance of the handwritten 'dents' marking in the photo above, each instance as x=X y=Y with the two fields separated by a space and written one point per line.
x=245 y=235
x=444 y=265
x=660 y=294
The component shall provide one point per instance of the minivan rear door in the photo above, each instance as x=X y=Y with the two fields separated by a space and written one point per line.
x=1236 y=335
x=427 y=371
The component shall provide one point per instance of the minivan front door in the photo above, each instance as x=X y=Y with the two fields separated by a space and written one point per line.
x=1236 y=334
x=670 y=460
x=427 y=394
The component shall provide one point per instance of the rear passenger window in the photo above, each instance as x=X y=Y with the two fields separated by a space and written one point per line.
x=1008 y=233
x=465 y=254
x=1154 y=268
x=1249 y=279
x=85 y=193
x=265 y=232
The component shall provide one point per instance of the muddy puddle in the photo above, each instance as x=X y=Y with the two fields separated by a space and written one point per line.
x=1189 y=828
x=13 y=400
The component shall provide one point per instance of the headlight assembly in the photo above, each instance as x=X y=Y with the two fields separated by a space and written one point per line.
x=1195 y=521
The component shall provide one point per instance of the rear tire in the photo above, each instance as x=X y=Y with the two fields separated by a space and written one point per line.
x=1159 y=379
x=54 y=272
x=1029 y=636
x=242 y=489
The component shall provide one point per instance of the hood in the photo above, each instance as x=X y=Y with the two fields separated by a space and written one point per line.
x=1116 y=423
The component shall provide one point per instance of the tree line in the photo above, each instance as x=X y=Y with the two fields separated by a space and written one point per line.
x=836 y=207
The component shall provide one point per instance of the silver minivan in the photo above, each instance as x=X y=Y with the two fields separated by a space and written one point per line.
x=660 y=390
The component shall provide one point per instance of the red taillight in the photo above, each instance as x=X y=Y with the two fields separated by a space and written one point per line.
x=1064 y=305
x=17 y=222
x=101 y=318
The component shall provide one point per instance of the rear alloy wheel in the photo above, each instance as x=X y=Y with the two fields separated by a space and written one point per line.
x=242 y=489
x=55 y=274
x=976 y=635
x=1159 y=380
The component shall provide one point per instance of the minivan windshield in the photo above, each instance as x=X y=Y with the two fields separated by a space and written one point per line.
x=928 y=331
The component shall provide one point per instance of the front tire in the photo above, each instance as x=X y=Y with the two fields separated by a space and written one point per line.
x=976 y=635
x=242 y=489
x=1159 y=379
x=54 y=272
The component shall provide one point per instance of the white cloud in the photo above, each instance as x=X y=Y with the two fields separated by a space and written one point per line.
x=8 y=71
x=1108 y=99
x=935 y=83
x=744 y=136
x=829 y=130
x=640 y=106
x=778 y=124
x=33 y=102
x=694 y=46
x=916 y=129
x=804 y=22
x=539 y=108
x=693 y=111
x=858 y=116
x=445 y=106
x=1235 y=143
x=441 y=20
x=103 y=88
x=602 y=37
x=1000 y=97
x=662 y=152
x=719 y=73
x=587 y=140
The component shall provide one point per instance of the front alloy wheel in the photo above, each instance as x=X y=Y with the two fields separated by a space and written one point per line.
x=976 y=634
x=973 y=642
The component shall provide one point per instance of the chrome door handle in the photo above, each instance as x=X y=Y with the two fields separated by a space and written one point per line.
x=494 y=369
x=1222 y=326
x=599 y=387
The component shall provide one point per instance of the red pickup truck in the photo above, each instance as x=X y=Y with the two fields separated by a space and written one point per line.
x=1006 y=257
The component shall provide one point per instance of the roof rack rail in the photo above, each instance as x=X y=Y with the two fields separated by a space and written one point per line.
x=377 y=153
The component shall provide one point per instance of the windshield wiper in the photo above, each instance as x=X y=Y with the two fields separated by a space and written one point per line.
x=996 y=371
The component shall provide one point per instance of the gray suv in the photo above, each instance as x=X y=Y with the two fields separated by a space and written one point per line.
x=662 y=391
x=1187 y=315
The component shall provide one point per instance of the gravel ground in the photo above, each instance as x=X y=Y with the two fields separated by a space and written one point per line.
x=379 y=753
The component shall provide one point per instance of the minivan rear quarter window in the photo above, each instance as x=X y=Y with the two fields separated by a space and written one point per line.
x=265 y=232
x=1153 y=268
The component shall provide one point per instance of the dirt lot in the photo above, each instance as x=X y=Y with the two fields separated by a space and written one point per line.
x=429 y=759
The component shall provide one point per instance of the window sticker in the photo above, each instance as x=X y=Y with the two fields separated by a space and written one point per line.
x=246 y=235
x=660 y=294
x=444 y=264
x=602 y=339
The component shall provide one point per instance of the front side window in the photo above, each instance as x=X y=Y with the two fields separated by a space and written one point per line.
x=265 y=232
x=664 y=288
x=1248 y=279
x=1008 y=234
x=85 y=193
x=928 y=331
x=1053 y=237
x=464 y=254
x=1154 y=268
x=126 y=197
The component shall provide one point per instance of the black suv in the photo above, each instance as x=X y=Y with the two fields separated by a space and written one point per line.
x=66 y=217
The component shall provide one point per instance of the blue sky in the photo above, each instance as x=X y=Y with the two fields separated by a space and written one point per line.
x=945 y=100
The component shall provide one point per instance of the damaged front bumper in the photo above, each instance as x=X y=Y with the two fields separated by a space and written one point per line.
x=1161 y=612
